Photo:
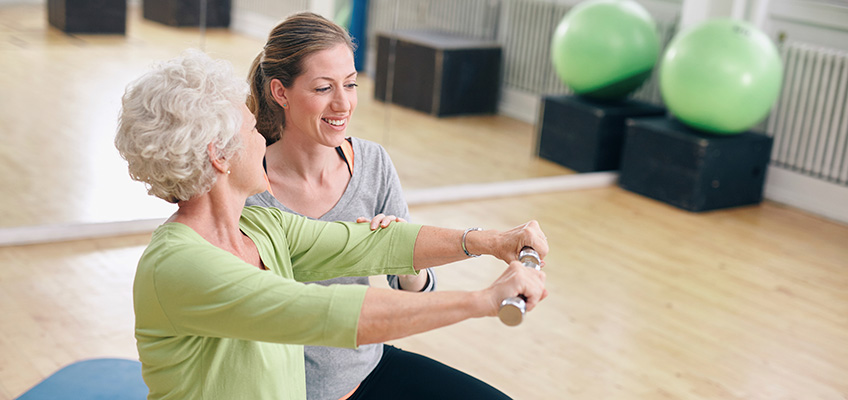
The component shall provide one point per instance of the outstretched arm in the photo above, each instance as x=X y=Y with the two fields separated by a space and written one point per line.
x=437 y=246
x=388 y=314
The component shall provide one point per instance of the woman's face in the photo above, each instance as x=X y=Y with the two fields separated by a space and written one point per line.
x=321 y=100
x=246 y=167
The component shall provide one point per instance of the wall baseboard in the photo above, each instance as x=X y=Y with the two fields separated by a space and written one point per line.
x=16 y=2
x=826 y=199
x=481 y=191
x=518 y=104
x=25 y=235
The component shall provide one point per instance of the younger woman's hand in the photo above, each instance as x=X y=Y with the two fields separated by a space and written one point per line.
x=380 y=220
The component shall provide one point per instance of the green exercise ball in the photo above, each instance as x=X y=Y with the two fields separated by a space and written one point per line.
x=605 y=49
x=721 y=76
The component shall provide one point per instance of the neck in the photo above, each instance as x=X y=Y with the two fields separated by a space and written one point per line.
x=214 y=216
x=304 y=158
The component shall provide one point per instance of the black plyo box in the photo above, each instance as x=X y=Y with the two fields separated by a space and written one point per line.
x=88 y=16
x=586 y=135
x=665 y=160
x=187 y=12
x=438 y=73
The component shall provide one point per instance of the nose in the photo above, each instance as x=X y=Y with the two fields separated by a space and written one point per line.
x=341 y=101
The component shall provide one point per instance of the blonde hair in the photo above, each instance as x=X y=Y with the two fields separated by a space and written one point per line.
x=170 y=115
x=289 y=43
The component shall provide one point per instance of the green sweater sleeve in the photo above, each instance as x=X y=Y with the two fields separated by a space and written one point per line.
x=200 y=290
x=323 y=250
x=187 y=287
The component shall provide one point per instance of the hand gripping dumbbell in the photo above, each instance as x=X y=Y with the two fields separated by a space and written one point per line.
x=513 y=308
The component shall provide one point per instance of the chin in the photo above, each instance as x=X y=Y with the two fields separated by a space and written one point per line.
x=336 y=139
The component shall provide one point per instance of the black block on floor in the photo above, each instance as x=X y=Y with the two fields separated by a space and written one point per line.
x=586 y=135
x=437 y=73
x=88 y=16
x=187 y=12
x=668 y=161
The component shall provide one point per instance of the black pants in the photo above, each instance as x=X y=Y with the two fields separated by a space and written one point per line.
x=402 y=375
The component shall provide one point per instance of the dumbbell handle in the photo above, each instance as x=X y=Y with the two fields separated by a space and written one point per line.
x=513 y=308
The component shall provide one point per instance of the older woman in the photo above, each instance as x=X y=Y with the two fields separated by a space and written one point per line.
x=303 y=95
x=220 y=312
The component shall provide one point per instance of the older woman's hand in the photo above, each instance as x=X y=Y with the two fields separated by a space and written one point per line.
x=506 y=245
x=517 y=279
x=380 y=220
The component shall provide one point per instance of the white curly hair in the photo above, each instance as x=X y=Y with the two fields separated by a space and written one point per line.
x=171 y=114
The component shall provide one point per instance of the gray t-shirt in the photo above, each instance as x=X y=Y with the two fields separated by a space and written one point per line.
x=374 y=188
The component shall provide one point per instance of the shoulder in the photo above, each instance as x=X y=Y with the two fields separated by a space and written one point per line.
x=262 y=199
x=371 y=160
x=262 y=215
x=173 y=236
x=265 y=199
x=269 y=220
x=174 y=246
x=367 y=150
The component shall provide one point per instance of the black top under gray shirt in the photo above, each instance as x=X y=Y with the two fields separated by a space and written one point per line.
x=374 y=188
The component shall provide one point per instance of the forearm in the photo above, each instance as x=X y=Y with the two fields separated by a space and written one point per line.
x=388 y=314
x=438 y=246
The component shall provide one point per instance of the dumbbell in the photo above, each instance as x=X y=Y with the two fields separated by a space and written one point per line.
x=513 y=308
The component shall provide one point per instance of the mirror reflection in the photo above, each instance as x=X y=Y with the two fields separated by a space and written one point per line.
x=62 y=89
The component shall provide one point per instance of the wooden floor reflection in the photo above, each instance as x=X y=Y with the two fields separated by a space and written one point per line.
x=60 y=100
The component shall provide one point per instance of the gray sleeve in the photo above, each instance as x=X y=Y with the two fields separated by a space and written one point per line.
x=264 y=199
x=392 y=201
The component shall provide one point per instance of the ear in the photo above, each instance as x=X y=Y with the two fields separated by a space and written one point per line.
x=218 y=163
x=278 y=91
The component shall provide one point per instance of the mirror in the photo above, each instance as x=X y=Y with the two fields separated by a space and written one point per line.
x=61 y=97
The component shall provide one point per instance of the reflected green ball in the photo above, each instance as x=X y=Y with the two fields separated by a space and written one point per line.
x=605 y=48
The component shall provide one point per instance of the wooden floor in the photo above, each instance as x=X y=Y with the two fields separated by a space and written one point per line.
x=647 y=301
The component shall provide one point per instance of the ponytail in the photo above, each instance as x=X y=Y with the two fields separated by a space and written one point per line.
x=270 y=119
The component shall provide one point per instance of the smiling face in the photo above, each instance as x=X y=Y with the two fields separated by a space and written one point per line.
x=321 y=100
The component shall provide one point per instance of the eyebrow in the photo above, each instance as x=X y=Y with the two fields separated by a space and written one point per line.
x=326 y=78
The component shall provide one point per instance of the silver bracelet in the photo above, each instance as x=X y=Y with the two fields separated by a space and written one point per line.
x=464 y=234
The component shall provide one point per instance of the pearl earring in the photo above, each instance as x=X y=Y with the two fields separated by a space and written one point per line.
x=228 y=172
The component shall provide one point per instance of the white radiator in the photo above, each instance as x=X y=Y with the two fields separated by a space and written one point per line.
x=523 y=27
x=809 y=123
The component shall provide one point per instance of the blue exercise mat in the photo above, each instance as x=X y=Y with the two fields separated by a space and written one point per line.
x=97 y=379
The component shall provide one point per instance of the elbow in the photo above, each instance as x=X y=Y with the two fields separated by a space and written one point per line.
x=368 y=334
x=363 y=338
x=377 y=318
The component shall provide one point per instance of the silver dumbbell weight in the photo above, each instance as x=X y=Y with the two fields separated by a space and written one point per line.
x=513 y=308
